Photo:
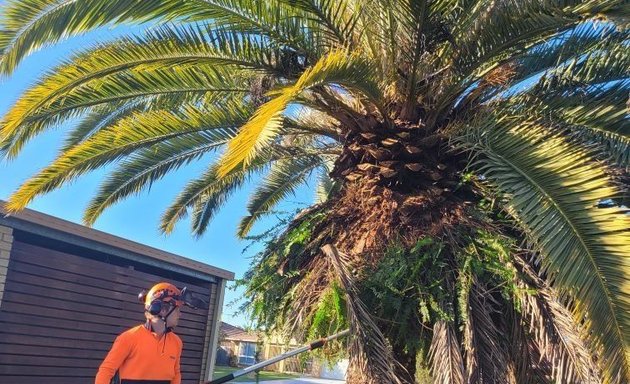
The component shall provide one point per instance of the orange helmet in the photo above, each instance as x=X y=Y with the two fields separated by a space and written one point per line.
x=162 y=293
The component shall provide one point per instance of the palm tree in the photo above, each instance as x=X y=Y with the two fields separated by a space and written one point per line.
x=472 y=154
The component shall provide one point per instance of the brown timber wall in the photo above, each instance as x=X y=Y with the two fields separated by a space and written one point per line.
x=61 y=311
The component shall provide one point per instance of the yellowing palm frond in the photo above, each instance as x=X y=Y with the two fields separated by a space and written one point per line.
x=338 y=67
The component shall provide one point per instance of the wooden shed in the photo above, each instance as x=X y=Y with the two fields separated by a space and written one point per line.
x=66 y=291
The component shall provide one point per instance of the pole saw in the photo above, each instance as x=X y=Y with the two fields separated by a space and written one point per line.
x=307 y=347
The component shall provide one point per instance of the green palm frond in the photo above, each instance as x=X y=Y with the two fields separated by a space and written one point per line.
x=582 y=40
x=325 y=184
x=312 y=121
x=338 y=67
x=163 y=48
x=552 y=188
x=509 y=28
x=185 y=84
x=27 y=25
x=416 y=41
x=143 y=168
x=283 y=178
x=106 y=115
x=128 y=86
x=377 y=24
x=98 y=118
x=141 y=130
x=270 y=20
x=607 y=63
x=335 y=19
x=30 y=24
x=596 y=116
x=203 y=196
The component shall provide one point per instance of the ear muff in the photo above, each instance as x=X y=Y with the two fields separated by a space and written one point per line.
x=142 y=296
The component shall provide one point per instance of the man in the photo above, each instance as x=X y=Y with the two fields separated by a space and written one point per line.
x=149 y=353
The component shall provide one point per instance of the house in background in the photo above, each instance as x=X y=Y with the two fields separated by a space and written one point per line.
x=66 y=291
x=237 y=346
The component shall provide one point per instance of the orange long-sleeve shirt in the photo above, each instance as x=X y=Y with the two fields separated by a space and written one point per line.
x=141 y=357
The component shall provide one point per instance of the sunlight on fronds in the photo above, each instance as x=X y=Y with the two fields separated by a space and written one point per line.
x=552 y=188
x=140 y=130
x=338 y=67
x=113 y=68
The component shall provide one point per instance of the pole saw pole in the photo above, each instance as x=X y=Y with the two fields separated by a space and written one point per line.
x=308 y=347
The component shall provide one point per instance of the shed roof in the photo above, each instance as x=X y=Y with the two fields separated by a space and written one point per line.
x=49 y=226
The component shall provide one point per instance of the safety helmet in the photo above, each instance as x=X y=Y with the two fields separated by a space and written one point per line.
x=160 y=294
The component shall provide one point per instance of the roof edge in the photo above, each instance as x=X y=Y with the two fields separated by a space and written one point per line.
x=29 y=220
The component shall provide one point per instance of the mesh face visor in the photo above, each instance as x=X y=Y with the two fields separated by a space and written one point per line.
x=188 y=299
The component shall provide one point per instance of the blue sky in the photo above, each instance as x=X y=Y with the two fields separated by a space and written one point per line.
x=136 y=218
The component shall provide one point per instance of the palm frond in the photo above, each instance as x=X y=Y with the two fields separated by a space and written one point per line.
x=529 y=366
x=103 y=116
x=140 y=170
x=514 y=26
x=27 y=25
x=98 y=118
x=486 y=358
x=606 y=64
x=447 y=365
x=141 y=130
x=377 y=24
x=582 y=40
x=305 y=295
x=181 y=83
x=417 y=10
x=197 y=80
x=553 y=188
x=203 y=196
x=335 y=19
x=338 y=67
x=312 y=121
x=371 y=359
x=268 y=20
x=557 y=337
x=597 y=116
x=161 y=49
x=325 y=184
x=283 y=178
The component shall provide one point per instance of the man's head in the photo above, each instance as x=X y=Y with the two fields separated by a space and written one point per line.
x=164 y=301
